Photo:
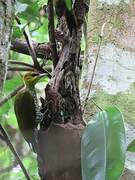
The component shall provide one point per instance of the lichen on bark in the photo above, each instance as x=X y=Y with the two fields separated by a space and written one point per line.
x=6 y=18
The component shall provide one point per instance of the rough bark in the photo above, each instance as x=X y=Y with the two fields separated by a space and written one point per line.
x=42 y=50
x=60 y=143
x=6 y=17
x=60 y=152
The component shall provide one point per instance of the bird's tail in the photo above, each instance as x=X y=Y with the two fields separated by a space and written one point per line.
x=33 y=142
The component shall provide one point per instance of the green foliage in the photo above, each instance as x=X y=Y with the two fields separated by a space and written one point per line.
x=10 y=85
x=8 y=120
x=5 y=152
x=17 y=33
x=131 y=146
x=31 y=165
x=103 y=146
x=16 y=172
x=29 y=13
x=69 y=4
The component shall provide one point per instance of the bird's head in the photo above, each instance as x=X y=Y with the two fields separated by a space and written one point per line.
x=31 y=78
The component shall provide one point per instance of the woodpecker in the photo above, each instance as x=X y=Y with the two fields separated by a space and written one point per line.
x=27 y=109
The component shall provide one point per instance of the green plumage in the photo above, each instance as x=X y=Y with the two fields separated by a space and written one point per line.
x=25 y=111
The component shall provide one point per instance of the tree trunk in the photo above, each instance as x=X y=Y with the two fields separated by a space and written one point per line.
x=6 y=17
x=60 y=152
x=114 y=78
x=59 y=157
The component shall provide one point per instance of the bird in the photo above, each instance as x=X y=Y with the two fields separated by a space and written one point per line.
x=27 y=109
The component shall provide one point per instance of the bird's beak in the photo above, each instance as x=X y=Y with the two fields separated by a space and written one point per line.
x=42 y=75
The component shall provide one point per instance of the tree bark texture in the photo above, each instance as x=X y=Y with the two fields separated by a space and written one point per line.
x=42 y=50
x=60 y=152
x=60 y=143
x=6 y=17
x=114 y=79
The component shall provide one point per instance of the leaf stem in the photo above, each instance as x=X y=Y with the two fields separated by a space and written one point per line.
x=20 y=63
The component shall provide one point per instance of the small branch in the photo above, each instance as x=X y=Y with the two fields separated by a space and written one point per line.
x=30 y=45
x=29 y=69
x=47 y=67
x=14 y=152
x=53 y=46
x=42 y=50
x=12 y=94
x=101 y=109
x=20 y=69
x=20 y=63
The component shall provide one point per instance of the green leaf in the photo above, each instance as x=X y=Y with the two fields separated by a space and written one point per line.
x=32 y=13
x=103 y=146
x=31 y=165
x=4 y=111
x=11 y=84
x=5 y=157
x=41 y=35
x=42 y=2
x=131 y=146
x=69 y=4
x=17 y=33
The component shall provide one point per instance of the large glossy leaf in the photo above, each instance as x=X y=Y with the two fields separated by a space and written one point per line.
x=131 y=146
x=103 y=146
